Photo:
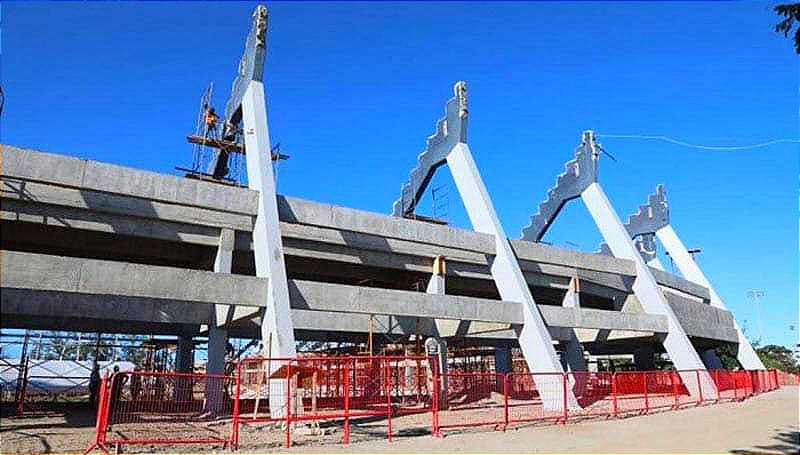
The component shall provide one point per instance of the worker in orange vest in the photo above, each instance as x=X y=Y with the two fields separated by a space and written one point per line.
x=211 y=122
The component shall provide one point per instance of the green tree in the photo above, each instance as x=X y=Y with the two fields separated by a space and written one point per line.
x=727 y=357
x=59 y=345
x=778 y=357
x=791 y=16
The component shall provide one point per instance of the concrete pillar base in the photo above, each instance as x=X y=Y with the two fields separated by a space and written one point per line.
x=645 y=358
x=215 y=388
x=184 y=363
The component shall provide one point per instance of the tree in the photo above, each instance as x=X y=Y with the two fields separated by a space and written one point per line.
x=778 y=357
x=791 y=15
x=726 y=355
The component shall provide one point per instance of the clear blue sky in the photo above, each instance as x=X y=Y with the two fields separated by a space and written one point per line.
x=355 y=88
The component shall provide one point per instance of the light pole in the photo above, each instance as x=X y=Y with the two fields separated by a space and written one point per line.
x=755 y=295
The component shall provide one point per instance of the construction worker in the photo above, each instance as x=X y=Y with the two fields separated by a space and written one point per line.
x=229 y=132
x=211 y=122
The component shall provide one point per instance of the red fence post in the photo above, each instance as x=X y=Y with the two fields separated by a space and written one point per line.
x=748 y=384
x=435 y=396
x=99 y=426
x=614 y=393
x=699 y=388
x=674 y=383
x=646 y=395
x=288 y=441
x=564 y=383
x=388 y=369
x=236 y=409
x=505 y=401
x=346 y=430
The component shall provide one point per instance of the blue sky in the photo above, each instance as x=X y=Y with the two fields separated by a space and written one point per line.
x=355 y=88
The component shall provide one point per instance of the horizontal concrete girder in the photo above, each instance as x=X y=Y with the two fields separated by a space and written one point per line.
x=68 y=171
x=46 y=273
x=43 y=272
x=355 y=299
x=168 y=201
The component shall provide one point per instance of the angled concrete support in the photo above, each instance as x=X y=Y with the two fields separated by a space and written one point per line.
x=247 y=104
x=580 y=180
x=652 y=220
x=448 y=145
x=645 y=287
x=277 y=332
x=267 y=243
x=746 y=355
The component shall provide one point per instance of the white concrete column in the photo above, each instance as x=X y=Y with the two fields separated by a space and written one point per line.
x=573 y=349
x=646 y=289
x=267 y=243
x=534 y=338
x=436 y=285
x=746 y=355
x=277 y=331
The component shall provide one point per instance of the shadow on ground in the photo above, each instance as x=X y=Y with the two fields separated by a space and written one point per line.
x=787 y=441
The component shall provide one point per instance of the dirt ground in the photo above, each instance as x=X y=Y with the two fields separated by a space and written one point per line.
x=764 y=424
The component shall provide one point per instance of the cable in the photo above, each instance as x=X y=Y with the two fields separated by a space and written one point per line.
x=701 y=147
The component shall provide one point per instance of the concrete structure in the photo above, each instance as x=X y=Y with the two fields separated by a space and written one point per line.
x=89 y=246
x=580 y=180
x=652 y=220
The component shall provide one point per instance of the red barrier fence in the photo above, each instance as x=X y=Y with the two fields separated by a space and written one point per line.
x=366 y=393
x=337 y=390
x=594 y=394
x=783 y=378
x=166 y=408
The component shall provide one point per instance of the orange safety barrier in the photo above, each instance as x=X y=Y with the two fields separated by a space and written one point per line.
x=310 y=390
x=172 y=408
x=594 y=394
x=783 y=378
x=472 y=400
x=731 y=385
x=524 y=397
x=139 y=408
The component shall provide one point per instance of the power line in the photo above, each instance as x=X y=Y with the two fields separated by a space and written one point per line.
x=718 y=148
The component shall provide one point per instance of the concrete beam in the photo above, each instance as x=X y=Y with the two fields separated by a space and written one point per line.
x=95 y=277
x=38 y=166
x=76 y=287
x=115 y=192
x=121 y=204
